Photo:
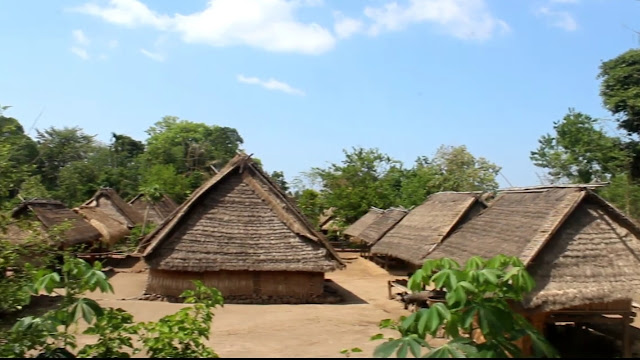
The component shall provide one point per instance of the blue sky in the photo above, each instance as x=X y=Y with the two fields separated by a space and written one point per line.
x=301 y=80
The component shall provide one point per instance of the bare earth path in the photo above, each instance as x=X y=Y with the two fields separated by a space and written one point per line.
x=284 y=330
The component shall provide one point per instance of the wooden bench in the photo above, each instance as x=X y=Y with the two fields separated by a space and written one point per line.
x=400 y=284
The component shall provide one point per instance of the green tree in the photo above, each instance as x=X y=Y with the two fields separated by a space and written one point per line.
x=166 y=180
x=79 y=180
x=278 y=178
x=620 y=89
x=59 y=148
x=580 y=151
x=310 y=203
x=190 y=147
x=459 y=170
x=355 y=185
x=418 y=183
x=479 y=296
x=17 y=155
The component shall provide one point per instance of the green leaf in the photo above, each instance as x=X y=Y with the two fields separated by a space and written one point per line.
x=474 y=263
x=422 y=322
x=402 y=350
x=356 y=350
x=433 y=320
x=467 y=317
x=416 y=281
x=415 y=348
x=377 y=337
x=385 y=350
x=442 y=310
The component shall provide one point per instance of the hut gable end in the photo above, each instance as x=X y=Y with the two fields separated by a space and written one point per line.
x=235 y=222
x=426 y=225
x=361 y=224
x=592 y=258
x=376 y=230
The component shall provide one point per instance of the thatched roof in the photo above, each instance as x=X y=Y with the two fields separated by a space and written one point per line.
x=357 y=227
x=111 y=229
x=326 y=216
x=377 y=229
x=158 y=211
x=427 y=224
x=239 y=220
x=52 y=213
x=112 y=204
x=331 y=225
x=578 y=248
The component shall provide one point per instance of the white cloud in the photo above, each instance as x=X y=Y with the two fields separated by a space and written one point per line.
x=81 y=53
x=271 y=84
x=465 y=19
x=152 y=55
x=113 y=44
x=80 y=38
x=264 y=24
x=130 y=13
x=344 y=26
x=561 y=19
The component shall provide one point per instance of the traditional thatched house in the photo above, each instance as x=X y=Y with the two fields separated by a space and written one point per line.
x=108 y=200
x=111 y=229
x=51 y=214
x=357 y=227
x=326 y=216
x=377 y=229
x=427 y=224
x=240 y=233
x=157 y=211
x=583 y=253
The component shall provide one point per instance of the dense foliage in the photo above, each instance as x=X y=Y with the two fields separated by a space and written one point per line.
x=479 y=299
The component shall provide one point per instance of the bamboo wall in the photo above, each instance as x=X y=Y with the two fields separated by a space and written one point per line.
x=241 y=284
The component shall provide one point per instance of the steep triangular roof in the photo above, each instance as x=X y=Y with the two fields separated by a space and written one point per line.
x=53 y=213
x=131 y=215
x=427 y=224
x=357 y=227
x=579 y=248
x=326 y=216
x=158 y=211
x=239 y=220
x=377 y=229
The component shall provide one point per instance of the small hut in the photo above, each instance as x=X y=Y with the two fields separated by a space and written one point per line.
x=110 y=203
x=357 y=227
x=377 y=229
x=240 y=233
x=158 y=210
x=426 y=225
x=111 y=229
x=51 y=213
x=581 y=251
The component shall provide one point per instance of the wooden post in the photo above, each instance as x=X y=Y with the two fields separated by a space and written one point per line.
x=626 y=344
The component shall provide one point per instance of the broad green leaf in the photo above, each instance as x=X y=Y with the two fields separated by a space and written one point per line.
x=356 y=350
x=442 y=310
x=474 y=263
x=433 y=320
x=415 y=348
x=385 y=350
x=377 y=337
x=422 y=321
x=403 y=350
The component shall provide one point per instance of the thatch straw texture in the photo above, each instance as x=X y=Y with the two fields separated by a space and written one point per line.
x=53 y=213
x=377 y=229
x=357 y=227
x=239 y=220
x=300 y=285
x=158 y=211
x=579 y=249
x=111 y=229
x=326 y=216
x=510 y=225
x=331 y=225
x=112 y=204
x=426 y=225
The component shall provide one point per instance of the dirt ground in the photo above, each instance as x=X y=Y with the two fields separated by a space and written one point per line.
x=283 y=330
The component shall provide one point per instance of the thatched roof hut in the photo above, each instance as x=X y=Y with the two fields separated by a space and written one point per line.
x=51 y=213
x=578 y=247
x=326 y=216
x=357 y=227
x=427 y=224
x=112 y=204
x=240 y=233
x=158 y=211
x=111 y=229
x=377 y=229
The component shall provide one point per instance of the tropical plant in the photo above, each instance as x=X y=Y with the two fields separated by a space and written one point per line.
x=479 y=298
